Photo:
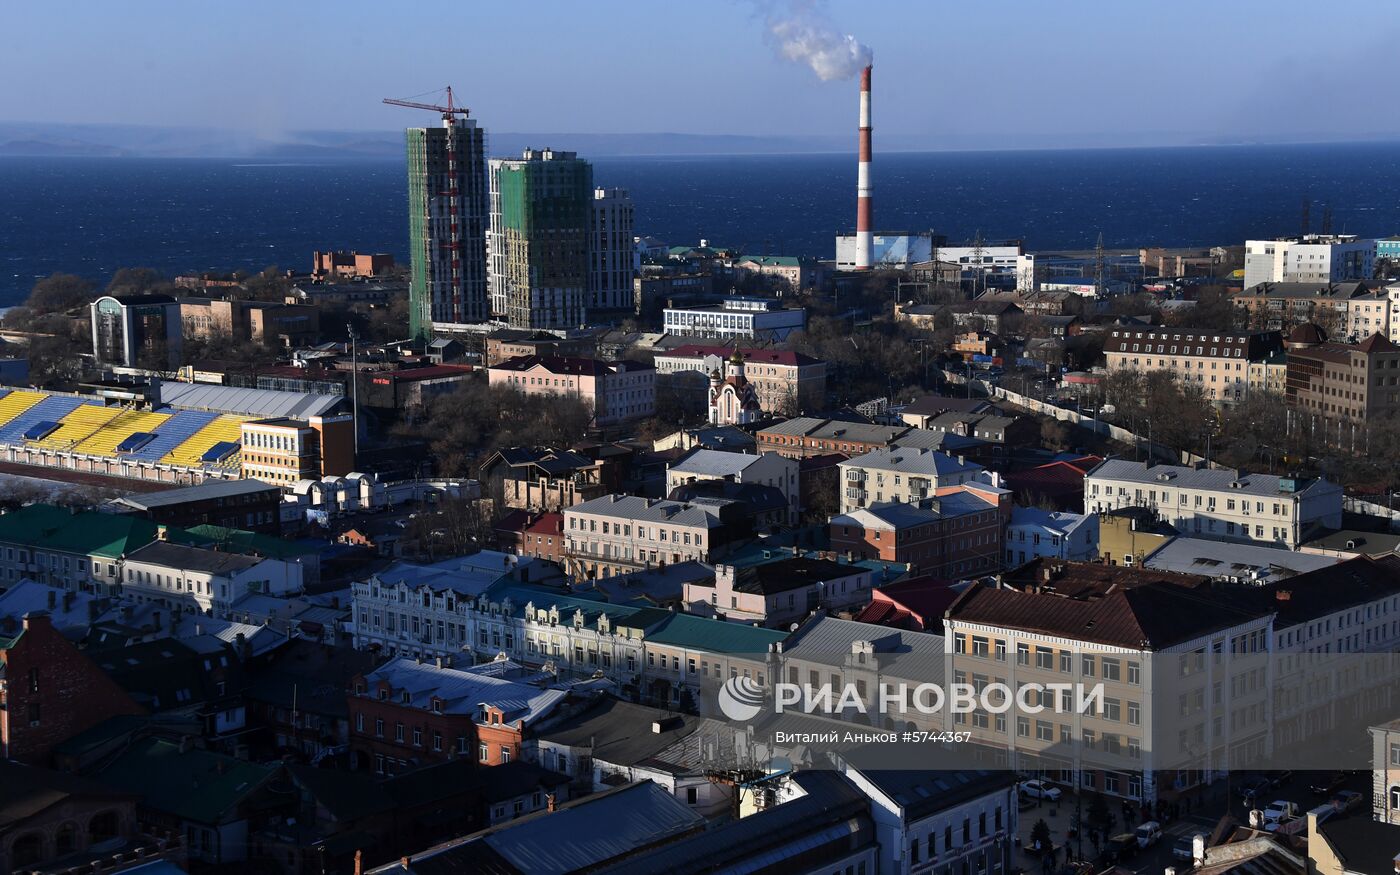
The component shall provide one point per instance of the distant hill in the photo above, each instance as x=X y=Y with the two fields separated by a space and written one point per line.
x=21 y=139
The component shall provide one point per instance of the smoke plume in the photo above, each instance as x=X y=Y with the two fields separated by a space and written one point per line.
x=803 y=32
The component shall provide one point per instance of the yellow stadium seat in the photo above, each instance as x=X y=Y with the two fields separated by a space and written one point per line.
x=17 y=402
x=82 y=423
x=225 y=428
x=105 y=440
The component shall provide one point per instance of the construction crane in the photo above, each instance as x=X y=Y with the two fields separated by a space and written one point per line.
x=447 y=111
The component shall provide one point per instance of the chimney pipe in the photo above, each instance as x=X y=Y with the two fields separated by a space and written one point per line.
x=865 y=240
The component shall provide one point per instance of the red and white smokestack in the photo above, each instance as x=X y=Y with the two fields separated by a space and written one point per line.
x=865 y=228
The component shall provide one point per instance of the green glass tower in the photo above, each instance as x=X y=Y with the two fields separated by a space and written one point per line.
x=541 y=210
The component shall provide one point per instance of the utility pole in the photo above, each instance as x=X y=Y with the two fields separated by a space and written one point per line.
x=1098 y=267
x=354 y=388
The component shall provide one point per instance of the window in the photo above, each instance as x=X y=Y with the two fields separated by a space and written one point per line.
x=1111 y=669
x=1135 y=673
x=483 y=752
x=1088 y=666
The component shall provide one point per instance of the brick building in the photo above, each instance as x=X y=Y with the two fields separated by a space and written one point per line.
x=957 y=534
x=544 y=538
x=350 y=264
x=408 y=713
x=1347 y=382
x=49 y=691
x=805 y=436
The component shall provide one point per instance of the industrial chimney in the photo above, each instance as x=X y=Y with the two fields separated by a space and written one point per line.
x=865 y=240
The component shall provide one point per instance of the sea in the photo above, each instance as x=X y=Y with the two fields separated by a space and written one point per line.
x=91 y=216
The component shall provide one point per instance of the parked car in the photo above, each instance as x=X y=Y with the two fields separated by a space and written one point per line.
x=1121 y=847
x=1040 y=790
x=1148 y=834
x=1349 y=800
x=1252 y=790
x=1280 y=809
x=1184 y=849
x=1329 y=785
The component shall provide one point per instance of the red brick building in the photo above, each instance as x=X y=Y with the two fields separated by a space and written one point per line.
x=954 y=535
x=544 y=538
x=49 y=691
x=406 y=714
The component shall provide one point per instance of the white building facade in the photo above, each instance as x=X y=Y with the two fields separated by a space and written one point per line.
x=1311 y=258
x=1220 y=504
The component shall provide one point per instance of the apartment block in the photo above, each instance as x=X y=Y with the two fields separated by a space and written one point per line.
x=612 y=256
x=1348 y=309
x=901 y=475
x=1034 y=533
x=447 y=224
x=1217 y=503
x=1215 y=362
x=766 y=469
x=542 y=221
x=614 y=391
x=618 y=534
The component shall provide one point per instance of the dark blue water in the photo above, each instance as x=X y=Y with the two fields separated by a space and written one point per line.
x=92 y=216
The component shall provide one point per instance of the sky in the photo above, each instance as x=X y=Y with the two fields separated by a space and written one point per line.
x=978 y=74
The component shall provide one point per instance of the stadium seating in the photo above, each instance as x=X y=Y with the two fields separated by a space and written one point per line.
x=51 y=408
x=180 y=426
x=191 y=452
x=81 y=423
x=105 y=440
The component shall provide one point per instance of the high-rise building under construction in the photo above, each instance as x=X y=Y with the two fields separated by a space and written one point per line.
x=541 y=220
x=447 y=221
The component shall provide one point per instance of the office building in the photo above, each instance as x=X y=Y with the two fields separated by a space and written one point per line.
x=1215 y=362
x=612 y=256
x=1218 y=503
x=1345 y=382
x=136 y=331
x=619 y=534
x=542 y=220
x=1312 y=258
x=747 y=318
x=447 y=222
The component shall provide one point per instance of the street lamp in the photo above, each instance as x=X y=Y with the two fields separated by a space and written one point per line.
x=354 y=389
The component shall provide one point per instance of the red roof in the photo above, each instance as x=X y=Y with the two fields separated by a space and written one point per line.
x=547 y=524
x=755 y=356
x=916 y=604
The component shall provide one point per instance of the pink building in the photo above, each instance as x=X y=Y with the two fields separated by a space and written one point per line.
x=614 y=391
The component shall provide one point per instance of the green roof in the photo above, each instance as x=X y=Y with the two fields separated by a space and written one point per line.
x=89 y=533
x=196 y=785
x=773 y=260
x=240 y=541
x=716 y=636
